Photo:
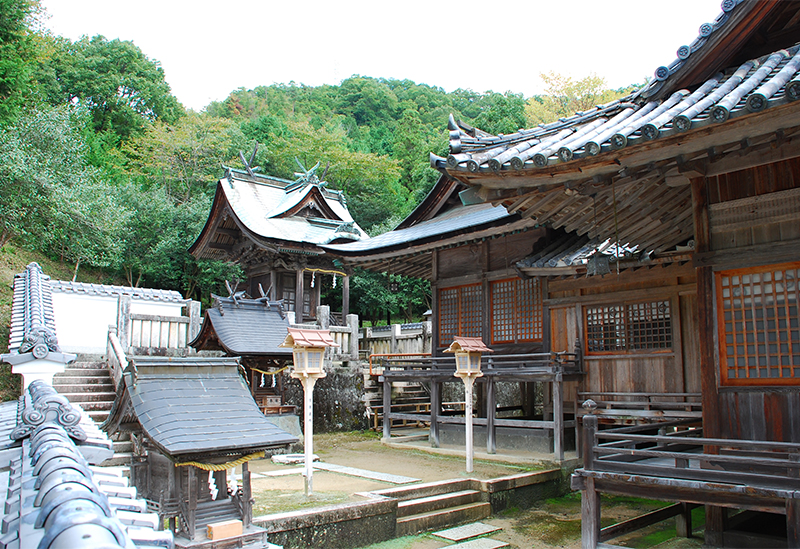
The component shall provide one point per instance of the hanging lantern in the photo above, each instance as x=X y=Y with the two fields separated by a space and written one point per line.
x=308 y=350
x=598 y=264
x=468 y=351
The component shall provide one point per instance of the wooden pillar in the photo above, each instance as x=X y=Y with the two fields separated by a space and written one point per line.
x=387 y=409
x=683 y=521
x=273 y=292
x=793 y=523
x=345 y=296
x=194 y=320
x=247 y=496
x=191 y=486
x=436 y=404
x=172 y=495
x=298 y=297
x=558 y=417
x=590 y=516
x=716 y=517
x=124 y=321
x=491 y=410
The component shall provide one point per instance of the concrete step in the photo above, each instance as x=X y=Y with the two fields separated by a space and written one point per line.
x=405 y=493
x=86 y=397
x=90 y=407
x=98 y=416
x=434 y=503
x=89 y=388
x=119 y=459
x=442 y=518
x=99 y=364
x=123 y=446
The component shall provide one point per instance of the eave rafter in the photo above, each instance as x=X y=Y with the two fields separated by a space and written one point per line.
x=646 y=204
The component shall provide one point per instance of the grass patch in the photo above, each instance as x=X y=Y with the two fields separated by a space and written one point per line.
x=282 y=501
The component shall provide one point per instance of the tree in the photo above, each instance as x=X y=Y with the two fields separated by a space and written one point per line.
x=564 y=97
x=185 y=159
x=122 y=88
x=17 y=53
x=52 y=200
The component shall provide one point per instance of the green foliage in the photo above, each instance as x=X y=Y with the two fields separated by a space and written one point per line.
x=565 y=96
x=370 y=294
x=18 y=51
x=52 y=199
x=113 y=79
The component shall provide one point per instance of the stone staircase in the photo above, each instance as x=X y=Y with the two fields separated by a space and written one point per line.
x=424 y=507
x=87 y=383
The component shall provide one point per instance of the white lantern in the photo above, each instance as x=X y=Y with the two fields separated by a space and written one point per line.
x=308 y=350
x=468 y=351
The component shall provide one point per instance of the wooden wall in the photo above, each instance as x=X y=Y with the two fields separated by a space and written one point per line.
x=481 y=263
x=676 y=370
x=746 y=218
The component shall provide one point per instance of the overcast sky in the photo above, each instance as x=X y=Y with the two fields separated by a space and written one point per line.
x=208 y=49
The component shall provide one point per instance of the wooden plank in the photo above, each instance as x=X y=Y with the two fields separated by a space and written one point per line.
x=642 y=521
x=627 y=295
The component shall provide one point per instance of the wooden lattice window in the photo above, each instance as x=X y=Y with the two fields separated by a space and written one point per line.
x=629 y=327
x=759 y=325
x=516 y=310
x=460 y=312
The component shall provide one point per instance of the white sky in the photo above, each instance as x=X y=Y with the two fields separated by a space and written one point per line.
x=208 y=49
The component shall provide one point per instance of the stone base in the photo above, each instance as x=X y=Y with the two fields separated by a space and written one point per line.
x=507 y=438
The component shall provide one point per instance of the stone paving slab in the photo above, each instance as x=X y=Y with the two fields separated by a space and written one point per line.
x=467 y=531
x=363 y=473
x=482 y=543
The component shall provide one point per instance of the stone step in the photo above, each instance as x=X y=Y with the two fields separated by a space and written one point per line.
x=83 y=373
x=434 y=503
x=99 y=364
x=405 y=493
x=98 y=416
x=90 y=407
x=122 y=446
x=90 y=388
x=441 y=518
x=119 y=459
x=86 y=397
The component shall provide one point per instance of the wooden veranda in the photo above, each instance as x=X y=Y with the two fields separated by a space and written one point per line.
x=553 y=370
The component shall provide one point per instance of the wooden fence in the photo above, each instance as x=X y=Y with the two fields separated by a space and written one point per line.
x=141 y=333
x=396 y=339
x=346 y=336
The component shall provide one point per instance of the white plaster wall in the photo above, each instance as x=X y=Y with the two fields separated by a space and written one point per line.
x=82 y=320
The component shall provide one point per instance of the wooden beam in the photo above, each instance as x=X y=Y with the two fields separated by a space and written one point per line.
x=218 y=246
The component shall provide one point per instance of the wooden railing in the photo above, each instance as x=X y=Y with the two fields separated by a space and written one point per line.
x=115 y=355
x=617 y=407
x=412 y=339
x=142 y=332
x=346 y=336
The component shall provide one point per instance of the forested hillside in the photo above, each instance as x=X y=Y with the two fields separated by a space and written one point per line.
x=100 y=165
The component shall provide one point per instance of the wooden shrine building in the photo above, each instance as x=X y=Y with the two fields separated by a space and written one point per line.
x=693 y=184
x=253 y=330
x=191 y=420
x=274 y=228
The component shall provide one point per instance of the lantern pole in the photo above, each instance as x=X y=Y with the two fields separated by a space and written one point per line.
x=308 y=383
x=468 y=383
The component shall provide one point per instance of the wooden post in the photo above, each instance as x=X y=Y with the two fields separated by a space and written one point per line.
x=194 y=320
x=558 y=414
x=352 y=323
x=273 y=290
x=345 y=296
x=191 y=485
x=491 y=411
x=468 y=434
x=308 y=430
x=124 y=321
x=426 y=336
x=324 y=317
x=436 y=404
x=589 y=435
x=590 y=515
x=683 y=521
x=171 y=496
x=247 y=496
x=387 y=409
x=793 y=523
x=395 y=331
x=715 y=526
x=298 y=297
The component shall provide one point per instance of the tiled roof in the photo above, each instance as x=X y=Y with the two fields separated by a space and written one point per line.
x=52 y=495
x=196 y=406
x=309 y=338
x=754 y=86
x=262 y=208
x=87 y=288
x=246 y=327
x=456 y=219
x=33 y=331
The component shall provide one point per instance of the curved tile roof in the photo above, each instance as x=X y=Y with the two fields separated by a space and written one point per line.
x=754 y=86
x=87 y=288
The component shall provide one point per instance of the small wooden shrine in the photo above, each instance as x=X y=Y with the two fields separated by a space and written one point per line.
x=191 y=421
